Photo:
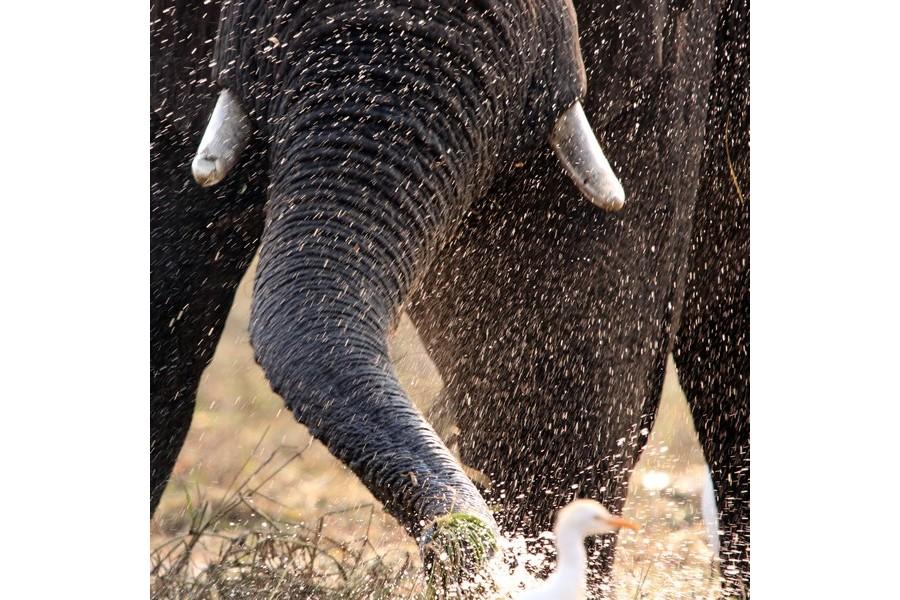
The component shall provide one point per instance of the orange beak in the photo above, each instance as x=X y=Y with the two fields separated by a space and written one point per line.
x=623 y=523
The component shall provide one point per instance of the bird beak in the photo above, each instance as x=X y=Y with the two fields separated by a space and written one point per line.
x=623 y=523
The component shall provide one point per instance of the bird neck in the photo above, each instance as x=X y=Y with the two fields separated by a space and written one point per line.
x=571 y=562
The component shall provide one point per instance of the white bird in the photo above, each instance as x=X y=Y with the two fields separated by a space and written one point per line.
x=575 y=522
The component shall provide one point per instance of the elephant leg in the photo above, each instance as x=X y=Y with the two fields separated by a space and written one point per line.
x=713 y=342
x=552 y=357
x=717 y=387
x=544 y=407
x=201 y=240
x=201 y=243
x=713 y=358
x=550 y=320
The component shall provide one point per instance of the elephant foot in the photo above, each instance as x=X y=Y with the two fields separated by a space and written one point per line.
x=459 y=552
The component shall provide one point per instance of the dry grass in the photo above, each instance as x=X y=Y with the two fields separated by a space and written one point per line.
x=257 y=509
x=237 y=549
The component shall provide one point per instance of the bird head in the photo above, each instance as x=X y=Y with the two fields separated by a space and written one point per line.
x=588 y=517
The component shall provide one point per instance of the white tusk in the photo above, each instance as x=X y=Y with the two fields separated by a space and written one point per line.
x=579 y=152
x=224 y=139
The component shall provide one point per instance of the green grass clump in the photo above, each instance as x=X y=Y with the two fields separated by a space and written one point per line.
x=460 y=548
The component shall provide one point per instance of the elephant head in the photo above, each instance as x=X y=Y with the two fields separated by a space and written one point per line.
x=571 y=136
x=383 y=120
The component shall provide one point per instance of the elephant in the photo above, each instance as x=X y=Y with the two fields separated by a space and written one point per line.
x=388 y=155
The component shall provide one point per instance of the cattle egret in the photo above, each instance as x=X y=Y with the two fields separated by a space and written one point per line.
x=574 y=523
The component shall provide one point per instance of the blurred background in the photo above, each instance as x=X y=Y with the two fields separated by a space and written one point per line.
x=250 y=477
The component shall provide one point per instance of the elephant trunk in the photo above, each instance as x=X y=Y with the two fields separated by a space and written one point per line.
x=358 y=195
x=384 y=122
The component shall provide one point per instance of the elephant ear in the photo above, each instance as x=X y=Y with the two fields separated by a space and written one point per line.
x=574 y=141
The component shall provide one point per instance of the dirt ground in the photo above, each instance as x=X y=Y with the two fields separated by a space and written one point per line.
x=239 y=423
